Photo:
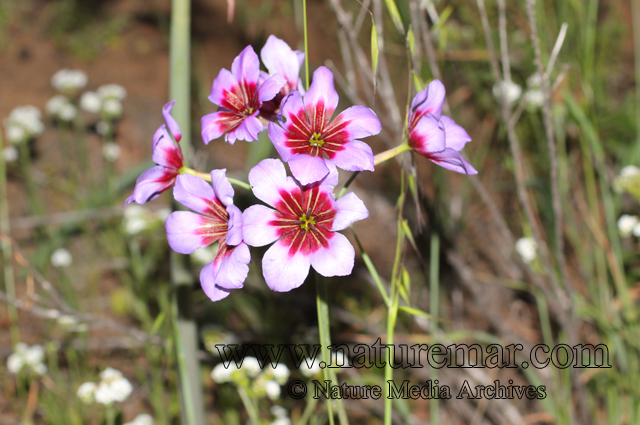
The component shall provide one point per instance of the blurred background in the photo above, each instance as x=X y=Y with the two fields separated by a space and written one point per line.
x=86 y=283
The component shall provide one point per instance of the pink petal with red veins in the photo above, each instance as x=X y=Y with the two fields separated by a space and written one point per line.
x=230 y=266
x=234 y=232
x=282 y=271
x=271 y=87
x=452 y=160
x=151 y=183
x=221 y=186
x=336 y=260
x=355 y=122
x=354 y=156
x=216 y=124
x=268 y=178
x=322 y=99
x=157 y=136
x=428 y=101
x=279 y=58
x=349 y=209
x=456 y=136
x=166 y=152
x=292 y=109
x=207 y=281
x=171 y=122
x=187 y=231
x=428 y=136
x=247 y=130
x=308 y=169
x=224 y=83
x=196 y=194
x=279 y=137
x=246 y=66
x=257 y=225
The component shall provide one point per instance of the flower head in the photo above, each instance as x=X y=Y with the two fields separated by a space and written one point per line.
x=279 y=58
x=435 y=136
x=167 y=155
x=142 y=419
x=27 y=357
x=627 y=223
x=86 y=392
x=303 y=224
x=61 y=258
x=240 y=95
x=69 y=80
x=527 y=248
x=307 y=134
x=113 y=387
x=218 y=220
x=111 y=151
x=60 y=107
x=509 y=89
x=10 y=154
x=23 y=123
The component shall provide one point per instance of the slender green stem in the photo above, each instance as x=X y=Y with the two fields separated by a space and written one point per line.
x=7 y=254
x=325 y=336
x=27 y=174
x=110 y=412
x=249 y=405
x=434 y=287
x=311 y=403
x=387 y=155
x=306 y=43
x=207 y=177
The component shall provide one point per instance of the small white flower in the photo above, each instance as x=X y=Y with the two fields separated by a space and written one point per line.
x=273 y=389
x=309 y=371
x=251 y=366
x=110 y=374
x=627 y=223
x=28 y=118
x=511 y=90
x=636 y=230
x=112 y=108
x=61 y=258
x=142 y=419
x=535 y=81
x=113 y=387
x=163 y=213
x=534 y=98
x=112 y=91
x=281 y=421
x=16 y=134
x=68 y=112
x=110 y=151
x=86 y=392
x=34 y=354
x=90 y=102
x=31 y=357
x=103 y=128
x=69 y=80
x=527 y=248
x=55 y=104
x=630 y=171
x=279 y=411
x=121 y=388
x=280 y=373
x=15 y=362
x=67 y=320
x=221 y=374
x=10 y=154
x=204 y=255
x=39 y=368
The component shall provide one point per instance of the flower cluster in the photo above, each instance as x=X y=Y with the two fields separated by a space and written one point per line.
x=137 y=218
x=628 y=181
x=113 y=387
x=61 y=108
x=527 y=248
x=628 y=225
x=23 y=124
x=142 y=419
x=252 y=377
x=61 y=258
x=27 y=358
x=69 y=81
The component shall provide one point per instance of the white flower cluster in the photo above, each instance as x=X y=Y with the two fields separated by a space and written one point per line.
x=205 y=255
x=628 y=225
x=69 y=81
x=138 y=218
x=10 y=154
x=27 y=357
x=534 y=96
x=142 y=419
x=628 y=181
x=113 y=387
x=338 y=361
x=265 y=382
x=60 y=107
x=281 y=415
x=111 y=151
x=61 y=258
x=23 y=123
x=106 y=101
x=527 y=248
x=511 y=91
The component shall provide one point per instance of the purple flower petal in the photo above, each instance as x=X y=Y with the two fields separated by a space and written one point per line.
x=196 y=194
x=231 y=267
x=157 y=136
x=151 y=183
x=224 y=83
x=336 y=260
x=171 y=122
x=355 y=156
x=428 y=135
x=247 y=130
x=234 y=232
x=187 y=231
x=257 y=229
x=221 y=187
x=279 y=58
x=452 y=160
x=246 y=66
x=216 y=124
x=291 y=108
x=214 y=292
x=307 y=169
x=268 y=178
x=166 y=152
x=284 y=272
x=279 y=137
x=356 y=122
x=428 y=101
x=456 y=136
x=270 y=87
x=349 y=209
x=322 y=99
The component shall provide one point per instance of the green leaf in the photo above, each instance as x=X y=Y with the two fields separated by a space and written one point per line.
x=395 y=15
x=157 y=323
x=411 y=41
x=417 y=82
x=417 y=312
x=375 y=51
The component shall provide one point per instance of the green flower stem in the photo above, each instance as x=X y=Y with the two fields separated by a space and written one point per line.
x=387 y=155
x=325 y=336
x=306 y=44
x=207 y=177
x=434 y=291
x=7 y=254
x=110 y=413
x=311 y=403
x=249 y=405
x=27 y=174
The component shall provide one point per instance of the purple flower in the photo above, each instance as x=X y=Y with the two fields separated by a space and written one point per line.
x=279 y=58
x=218 y=220
x=303 y=226
x=307 y=133
x=168 y=157
x=240 y=96
x=435 y=136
